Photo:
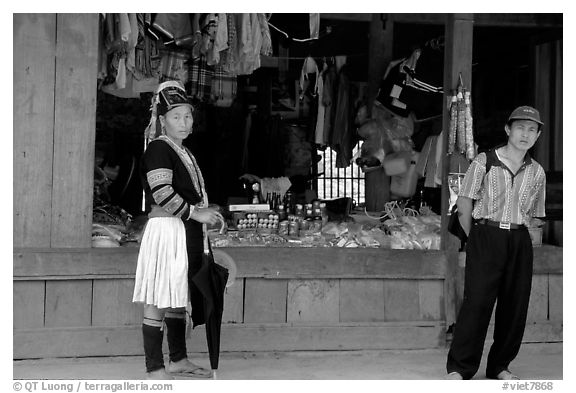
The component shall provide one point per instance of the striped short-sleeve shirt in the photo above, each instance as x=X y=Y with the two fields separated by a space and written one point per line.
x=501 y=195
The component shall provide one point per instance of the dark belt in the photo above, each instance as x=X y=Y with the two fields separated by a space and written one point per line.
x=502 y=225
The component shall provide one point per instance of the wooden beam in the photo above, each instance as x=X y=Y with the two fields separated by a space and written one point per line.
x=519 y=20
x=264 y=262
x=33 y=97
x=526 y=20
x=347 y=17
x=127 y=340
x=74 y=129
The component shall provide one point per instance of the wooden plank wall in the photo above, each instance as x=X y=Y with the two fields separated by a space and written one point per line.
x=55 y=60
x=260 y=314
x=90 y=316
x=34 y=70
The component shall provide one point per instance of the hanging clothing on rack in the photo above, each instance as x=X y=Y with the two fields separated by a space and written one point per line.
x=220 y=39
x=266 y=48
x=424 y=156
x=229 y=57
x=174 y=64
x=224 y=87
x=343 y=138
x=208 y=28
x=309 y=67
x=392 y=86
x=250 y=44
x=329 y=101
x=174 y=28
x=314 y=25
x=200 y=81
x=320 y=117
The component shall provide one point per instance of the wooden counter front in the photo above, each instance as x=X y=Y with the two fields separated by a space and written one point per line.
x=77 y=302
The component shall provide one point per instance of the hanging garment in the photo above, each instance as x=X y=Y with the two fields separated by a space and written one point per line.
x=319 y=129
x=329 y=101
x=314 y=25
x=174 y=64
x=439 y=159
x=430 y=171
x=224 y=87
x=132 y=41
x=201 y=75
x=342 y=138
x=266 y=48
x=424 y=157
x=174 y=28
x=221 y=38
x=427 y=72
x=391 y=87
x=208 y=27
x=250 y=45
x=197 y=34
x=147 y=58
x=309 y=67
x=424 y=85
x=228 y=58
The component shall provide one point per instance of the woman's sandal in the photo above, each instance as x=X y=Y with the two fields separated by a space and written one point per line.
x=185 y=367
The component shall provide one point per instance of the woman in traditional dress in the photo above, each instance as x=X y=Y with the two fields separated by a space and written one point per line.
x=172 y=243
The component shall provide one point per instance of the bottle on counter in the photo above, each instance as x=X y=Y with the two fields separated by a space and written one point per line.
x=281 y=212
x=288 y=202
x=299 y=211
x=323 y=213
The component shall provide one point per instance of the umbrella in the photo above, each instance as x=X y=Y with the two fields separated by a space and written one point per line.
x=211 y=282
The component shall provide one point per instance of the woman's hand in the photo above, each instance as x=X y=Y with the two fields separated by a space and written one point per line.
x=207 y=215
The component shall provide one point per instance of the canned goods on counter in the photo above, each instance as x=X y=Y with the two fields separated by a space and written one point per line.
x=294 y=228
x=283 y=228
x=317 y=224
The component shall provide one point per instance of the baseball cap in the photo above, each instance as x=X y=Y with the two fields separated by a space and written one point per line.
x=171 y=94
x=526 y=113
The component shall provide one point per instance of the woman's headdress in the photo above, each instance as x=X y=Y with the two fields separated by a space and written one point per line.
x=168 y=95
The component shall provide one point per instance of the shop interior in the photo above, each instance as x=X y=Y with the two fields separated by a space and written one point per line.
x=264 y=123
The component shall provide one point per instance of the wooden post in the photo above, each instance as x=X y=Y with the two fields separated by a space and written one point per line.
x=380 y=54
x=34 y=75
x=74 y=129
x=457 y=63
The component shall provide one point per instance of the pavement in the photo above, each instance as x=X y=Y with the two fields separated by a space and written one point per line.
x=539 y=361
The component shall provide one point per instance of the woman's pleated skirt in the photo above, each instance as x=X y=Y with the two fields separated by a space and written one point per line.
x=162 y=271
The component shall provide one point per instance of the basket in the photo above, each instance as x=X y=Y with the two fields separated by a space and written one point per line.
x=536 y=236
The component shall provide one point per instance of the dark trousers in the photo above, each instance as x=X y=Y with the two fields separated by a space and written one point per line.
x=498 y=267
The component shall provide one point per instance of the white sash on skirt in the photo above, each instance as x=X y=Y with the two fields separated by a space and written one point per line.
x=162 y=271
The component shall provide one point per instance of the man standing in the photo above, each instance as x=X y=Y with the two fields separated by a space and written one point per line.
x=502 y=194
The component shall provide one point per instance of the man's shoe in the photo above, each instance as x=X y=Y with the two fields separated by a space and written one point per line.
x=454 y=375
x=506 y=375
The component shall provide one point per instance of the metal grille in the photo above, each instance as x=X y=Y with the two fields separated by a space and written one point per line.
x=340 y=182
